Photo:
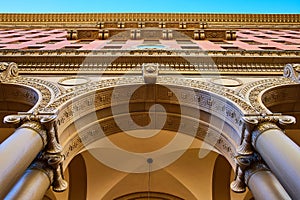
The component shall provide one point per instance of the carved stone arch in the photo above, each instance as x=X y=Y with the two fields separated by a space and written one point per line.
x=15 y=98
x=219 y=122
x=254 y=91
x=285 y=99
x=49 y=91
x=219 y=107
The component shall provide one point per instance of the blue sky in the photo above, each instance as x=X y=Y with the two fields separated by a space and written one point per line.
x=207 y=6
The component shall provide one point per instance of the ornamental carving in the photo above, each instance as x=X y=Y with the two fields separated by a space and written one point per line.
x=253 y=90
x=8 y=71
x=87 y=34
x=150 y=73
x=254 y=125
x=292 y=71
x=214 y=35
x=247 y=165
x=45 y=125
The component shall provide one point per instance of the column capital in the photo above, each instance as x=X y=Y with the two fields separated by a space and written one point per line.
x=254 y=125
x=248 y=160
x=30 y=121
x=43 y=123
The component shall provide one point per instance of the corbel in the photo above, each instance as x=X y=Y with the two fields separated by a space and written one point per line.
x=199 y=35
x=182 y=25
x=100 y=25
x=141 y=24
x=230 y=35
x=167 y=34
x=103 y=34
x=135 y=34
x=162 y=25
x=196 y=35
x=203 y=25
x=45 y=125
x=121 y=24
x=72 y=35
x=150 y=73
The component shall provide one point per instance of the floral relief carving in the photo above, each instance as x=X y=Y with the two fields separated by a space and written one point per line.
x=253 y=91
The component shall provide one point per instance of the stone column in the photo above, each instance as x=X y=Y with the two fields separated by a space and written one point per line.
x=44 y=172
x=281 y=154
x=33 y=184
x=264 y=185
x=36 y=136
x=17 y=152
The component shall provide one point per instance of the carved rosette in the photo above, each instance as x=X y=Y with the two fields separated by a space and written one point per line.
x=8 y=71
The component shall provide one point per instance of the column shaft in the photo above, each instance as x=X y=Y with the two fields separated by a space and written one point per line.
x=32 y=186
x=16 y=154
x=264 y=186
x=283 y=157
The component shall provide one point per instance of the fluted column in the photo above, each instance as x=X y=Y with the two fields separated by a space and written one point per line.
x=17 y=152
x=264 y=185
x=281 y=154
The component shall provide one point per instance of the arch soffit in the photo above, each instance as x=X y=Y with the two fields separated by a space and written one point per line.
x=212 y=157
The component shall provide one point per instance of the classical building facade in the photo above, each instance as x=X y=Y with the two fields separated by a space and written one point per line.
x=150 y=106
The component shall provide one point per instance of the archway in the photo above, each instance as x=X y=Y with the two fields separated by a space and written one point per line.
x=15 y=98
x=93 y=115
x=285 y=100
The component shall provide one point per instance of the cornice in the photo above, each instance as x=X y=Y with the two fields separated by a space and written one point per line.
x=171 y=62
x=134 y=20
